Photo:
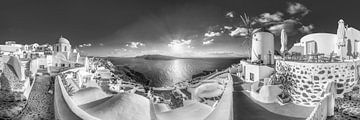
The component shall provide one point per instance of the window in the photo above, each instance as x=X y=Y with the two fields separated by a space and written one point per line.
x=57 y=48
x=63 y=65
x=65 y=49
x=311 y=47
x=252 y=76
x=42 y=66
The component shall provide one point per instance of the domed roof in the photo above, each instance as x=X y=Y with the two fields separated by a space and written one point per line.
x=63 y=40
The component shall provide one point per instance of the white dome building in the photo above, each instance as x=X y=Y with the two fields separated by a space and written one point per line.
x=63 y=45
x=319 y=43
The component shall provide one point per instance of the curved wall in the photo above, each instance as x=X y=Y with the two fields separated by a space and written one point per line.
x=312 y=79
x=326 y=42
x=263 y=45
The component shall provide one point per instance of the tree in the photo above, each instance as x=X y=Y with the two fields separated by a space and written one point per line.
x=349 y=48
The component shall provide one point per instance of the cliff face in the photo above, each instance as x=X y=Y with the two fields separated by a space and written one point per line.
x=156 y=57
x=129 y=74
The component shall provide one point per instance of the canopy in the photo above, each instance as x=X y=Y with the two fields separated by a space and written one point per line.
x=283 y=41
x=341 y=32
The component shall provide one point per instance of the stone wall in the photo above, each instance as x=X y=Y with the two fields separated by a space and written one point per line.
x=312 y=78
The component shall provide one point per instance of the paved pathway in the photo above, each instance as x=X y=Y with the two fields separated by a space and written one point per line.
x=245 y=108
x=40 y=103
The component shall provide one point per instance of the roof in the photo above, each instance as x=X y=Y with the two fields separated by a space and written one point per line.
x=63 y=40
x=193 y=111
x=15 y=65
x=8 y=48
x=87 y=95
x=124 y=106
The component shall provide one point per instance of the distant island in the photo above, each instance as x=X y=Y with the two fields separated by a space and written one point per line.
x=156 y=57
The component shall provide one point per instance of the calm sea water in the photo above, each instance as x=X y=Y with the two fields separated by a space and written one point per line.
x=168 y=72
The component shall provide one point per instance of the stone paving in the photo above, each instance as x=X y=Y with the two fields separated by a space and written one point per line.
x=347 y=108
x=41 y=103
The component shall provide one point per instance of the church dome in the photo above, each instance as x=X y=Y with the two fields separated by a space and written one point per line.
x=63 y=40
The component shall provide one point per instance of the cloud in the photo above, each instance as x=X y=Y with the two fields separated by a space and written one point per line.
x=134 y=44
x=230 y=14
x=291 y=26
x=267 y=17
x=228 y=27
x=85 y=45
x=101 y=44
x=212 y=34
x=239 y=31
x=307 y=29
x=177 y=44
x=208 y=42
x=223 y=54
x=297 y=8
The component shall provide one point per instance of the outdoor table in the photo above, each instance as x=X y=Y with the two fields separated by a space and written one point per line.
x=316 y=55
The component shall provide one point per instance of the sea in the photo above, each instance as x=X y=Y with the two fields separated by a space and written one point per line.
x=168 y=72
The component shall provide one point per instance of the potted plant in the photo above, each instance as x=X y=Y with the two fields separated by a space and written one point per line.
x=283 y=77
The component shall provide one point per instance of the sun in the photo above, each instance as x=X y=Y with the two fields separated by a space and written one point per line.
x=177 y=49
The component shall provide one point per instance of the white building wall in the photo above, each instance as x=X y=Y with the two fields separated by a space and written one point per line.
x=326 y=42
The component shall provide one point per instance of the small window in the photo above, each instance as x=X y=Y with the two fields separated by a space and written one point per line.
x=252 y=76
x=42 y=66
x=311 y=47
x=62 y=65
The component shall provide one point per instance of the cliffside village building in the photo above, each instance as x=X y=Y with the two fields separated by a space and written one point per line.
x=19 y=63
x=313 y=63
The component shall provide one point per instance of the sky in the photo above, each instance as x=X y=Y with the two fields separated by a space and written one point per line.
x=183 y=28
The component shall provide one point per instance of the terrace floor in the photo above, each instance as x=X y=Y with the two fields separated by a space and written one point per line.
x=40 y=102
x=246 y=108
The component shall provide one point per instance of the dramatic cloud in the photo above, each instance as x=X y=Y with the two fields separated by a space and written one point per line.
x=212 y=34
x=297 y=8
x=228 y=27
x=273 y=22
x=230 y=14
x=267 y=17
x=239 y=31
x=207 y=42
x=120 y=49
x=179 y=44
x=306 y=29
x=135 y=44
x=223 y=54
x=85 y=45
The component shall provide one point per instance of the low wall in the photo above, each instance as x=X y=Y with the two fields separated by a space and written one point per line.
x=28 y=89
x=320 y=111
x=73 y=107
x=267 y=93
x=311 y=79
x=224 y=108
